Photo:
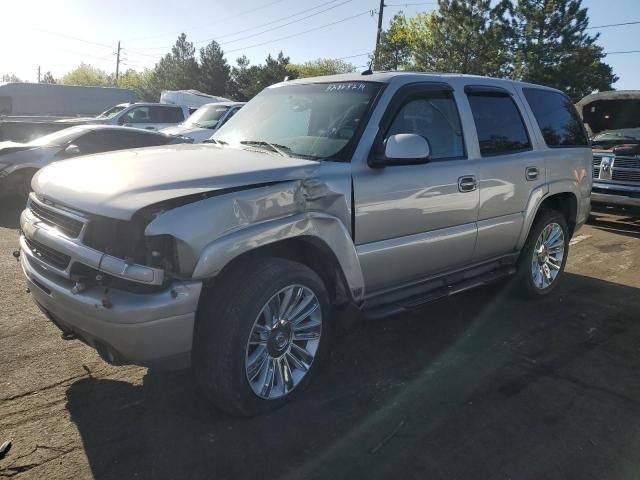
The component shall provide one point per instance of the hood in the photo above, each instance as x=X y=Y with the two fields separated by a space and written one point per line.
x=117 y=184
x=11 y=147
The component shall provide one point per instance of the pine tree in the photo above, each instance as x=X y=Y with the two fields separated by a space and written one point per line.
x=214 y=70
x=48 y=78
x=462 y=36
x=178 y=70
x=551 y=47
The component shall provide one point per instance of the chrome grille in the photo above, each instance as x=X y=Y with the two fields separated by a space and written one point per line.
x=48 y=255
x=627 y=162
x=625 y=175
x=67 y=225
x=596 y=167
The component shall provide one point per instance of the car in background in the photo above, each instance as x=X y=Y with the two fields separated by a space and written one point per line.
x=205 y=121
x=149 y=116
x=20 y=161
x=613 y=120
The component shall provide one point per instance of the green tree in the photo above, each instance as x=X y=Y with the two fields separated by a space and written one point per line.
x=395 y=46
x=551 y=47
x=275 y=70
x=178 y=69
x=244 y=82
x=48 y=78
x=143 y=83
x=214 y=70
x=322 y=66
x=10 y=78
x=87 y=75
x=462 y=36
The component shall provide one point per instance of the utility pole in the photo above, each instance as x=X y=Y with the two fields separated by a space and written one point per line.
x=379 y=33
x=38 y=73
x=118 y=63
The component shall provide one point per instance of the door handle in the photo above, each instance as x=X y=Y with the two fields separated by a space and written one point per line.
x=467 y=183
x=531 y=173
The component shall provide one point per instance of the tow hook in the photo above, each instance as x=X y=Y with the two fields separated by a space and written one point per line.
x=16 y=255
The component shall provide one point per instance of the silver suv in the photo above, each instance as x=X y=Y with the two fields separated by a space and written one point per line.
x=383 y=191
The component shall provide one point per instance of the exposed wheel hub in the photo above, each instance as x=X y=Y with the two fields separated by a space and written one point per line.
x=279 y=339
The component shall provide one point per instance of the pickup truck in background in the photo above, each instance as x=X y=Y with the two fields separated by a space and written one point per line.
x=383 y=191
x=149 y=116
x=613 y=118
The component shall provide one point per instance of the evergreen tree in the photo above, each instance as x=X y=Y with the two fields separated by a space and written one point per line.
x=462 y=36
x=178 y=70
x=275 y=70
x=551 y=47
x=214 y=70
x=244 y=82
x=322 y=66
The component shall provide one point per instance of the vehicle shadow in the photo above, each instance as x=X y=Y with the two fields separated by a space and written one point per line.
x=623 y=222
x=480 y=385
x=10 y=209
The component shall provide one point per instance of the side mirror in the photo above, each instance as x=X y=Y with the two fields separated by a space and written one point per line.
x=71 y=151
x=406 y=149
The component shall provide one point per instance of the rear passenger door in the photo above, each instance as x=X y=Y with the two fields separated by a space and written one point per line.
x=509 y=168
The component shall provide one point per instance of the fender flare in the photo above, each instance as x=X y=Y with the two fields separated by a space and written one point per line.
x=322 y=227
x=538 y=196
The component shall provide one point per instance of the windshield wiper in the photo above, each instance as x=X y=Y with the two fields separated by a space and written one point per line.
x=280 y=149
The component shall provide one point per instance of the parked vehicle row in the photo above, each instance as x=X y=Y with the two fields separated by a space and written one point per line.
x=382 y=191
x=20 y=161
x=201 y=125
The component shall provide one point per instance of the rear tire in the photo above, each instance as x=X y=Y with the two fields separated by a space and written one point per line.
x=246 y=364
x=544 y=255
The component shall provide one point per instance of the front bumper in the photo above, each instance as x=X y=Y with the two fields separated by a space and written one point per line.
x=143 y=329
x=615 y=194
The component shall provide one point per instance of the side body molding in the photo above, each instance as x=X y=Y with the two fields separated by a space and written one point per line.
x=326 y=228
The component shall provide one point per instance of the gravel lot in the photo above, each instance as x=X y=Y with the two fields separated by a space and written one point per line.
x=478 y=386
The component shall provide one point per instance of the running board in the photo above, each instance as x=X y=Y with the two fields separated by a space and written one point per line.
x=416 y=301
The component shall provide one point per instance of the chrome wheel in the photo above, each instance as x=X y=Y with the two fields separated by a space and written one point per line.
x=283 y=342
x=548 y=255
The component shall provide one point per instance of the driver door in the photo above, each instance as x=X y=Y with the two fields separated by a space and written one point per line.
x=415 y=221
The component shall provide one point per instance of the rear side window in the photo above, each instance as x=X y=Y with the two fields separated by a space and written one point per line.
x=557 y=118
x=499 y=124
x=167 y=115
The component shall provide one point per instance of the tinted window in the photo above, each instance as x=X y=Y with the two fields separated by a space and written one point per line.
x=104 y=140
x=137 y=115
x=435 y=117
x=557 y=118
x=498 y=123
x=142 y=139
x=166 y=115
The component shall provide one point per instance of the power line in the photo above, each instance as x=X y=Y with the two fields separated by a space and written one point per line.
x=217 y=22
x=408 y=4
x=627 y=51
x=74 y=38
x=367 y=12
x=614 y=25
x=279 y=26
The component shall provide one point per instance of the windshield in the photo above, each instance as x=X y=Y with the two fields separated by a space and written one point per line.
x=112 y=111
x=207 y=116
x=59 y=138
x=315 y=121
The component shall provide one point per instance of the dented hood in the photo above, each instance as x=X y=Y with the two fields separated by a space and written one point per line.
x=118 y=184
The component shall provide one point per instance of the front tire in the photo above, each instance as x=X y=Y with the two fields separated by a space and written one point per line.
x=261 y=336
x=544 y=255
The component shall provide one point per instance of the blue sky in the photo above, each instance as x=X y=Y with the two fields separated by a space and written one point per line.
x=38 y=32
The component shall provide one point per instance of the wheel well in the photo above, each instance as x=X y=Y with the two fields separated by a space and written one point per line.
x=309 y=251
x=565 y=203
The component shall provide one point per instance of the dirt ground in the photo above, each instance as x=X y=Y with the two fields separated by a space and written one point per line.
x=477 y=386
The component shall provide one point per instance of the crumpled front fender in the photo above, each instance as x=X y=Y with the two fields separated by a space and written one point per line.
x=322 y=227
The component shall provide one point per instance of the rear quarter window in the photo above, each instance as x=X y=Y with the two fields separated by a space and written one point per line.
x=557 y=118
x=500 y=127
